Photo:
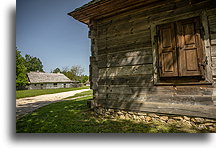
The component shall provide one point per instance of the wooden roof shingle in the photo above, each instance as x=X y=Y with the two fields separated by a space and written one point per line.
x=42 y=77
x=98 y=9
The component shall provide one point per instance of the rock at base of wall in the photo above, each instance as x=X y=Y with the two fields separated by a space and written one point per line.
x=195 y=122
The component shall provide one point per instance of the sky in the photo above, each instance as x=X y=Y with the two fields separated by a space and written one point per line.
x=7 y=78
x=44 y=30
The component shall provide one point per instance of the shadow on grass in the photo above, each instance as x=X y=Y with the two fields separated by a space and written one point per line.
x=23 y=109
x=74 y=117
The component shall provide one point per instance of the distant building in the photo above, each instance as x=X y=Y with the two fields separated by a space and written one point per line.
x=87 y=83
x=41 y=80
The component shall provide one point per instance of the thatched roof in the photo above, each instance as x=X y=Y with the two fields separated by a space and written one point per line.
x=42 y=77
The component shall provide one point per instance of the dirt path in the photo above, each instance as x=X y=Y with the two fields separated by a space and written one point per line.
x=27 y=105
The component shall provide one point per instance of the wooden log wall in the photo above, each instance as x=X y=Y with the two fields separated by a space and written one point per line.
x=122 y=61
x=211 y=13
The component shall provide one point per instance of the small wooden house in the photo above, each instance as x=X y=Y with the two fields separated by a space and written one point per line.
x=42 y=80
x=153 y=56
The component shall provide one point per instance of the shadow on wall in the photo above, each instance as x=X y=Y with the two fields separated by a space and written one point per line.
x=126 y=78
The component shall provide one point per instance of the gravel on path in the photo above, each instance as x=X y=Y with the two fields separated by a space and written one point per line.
x=29 y=104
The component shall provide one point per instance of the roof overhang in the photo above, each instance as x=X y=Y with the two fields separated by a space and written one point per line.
x=98 y=9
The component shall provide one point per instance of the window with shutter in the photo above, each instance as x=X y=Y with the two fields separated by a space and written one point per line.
x=180 y=50
x=167 y=51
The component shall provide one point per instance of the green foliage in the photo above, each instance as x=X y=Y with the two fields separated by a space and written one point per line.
x=21 y=78
x=57 y=70
x=32 y=93
x=74 y=73
x=25 y=65
x=84 y=78
x=33 y=63
x=74 y=116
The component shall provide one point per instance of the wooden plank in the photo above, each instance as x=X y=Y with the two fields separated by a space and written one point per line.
x=212 y=29
x=102 y=72
x=183 y=10
x=101 y=9
x=211 y=19
x=213 y=38
x=102 y=89
x=180 y=7
x=179 y=109
x=125 y=39
x=102 y=61
x=144 y=80
x=160 y=7
x=128 y=61
x=213 y=51
x=193 y=90
x=166 y=50
x=154 y=41
x=137 y=91
x=130 y=14
x=119 y=89
x=207 y=45
x=211 y=11
x=188 y=100
x=122 y=86
x=177 y=99
x=100 y=96
x=142 y=51
x=129 y=70
x=126 y=47
x=178 y=90
x=213 y=66
x=153 y=90
x=121 y=30
x=131 y=35
x=125 y=58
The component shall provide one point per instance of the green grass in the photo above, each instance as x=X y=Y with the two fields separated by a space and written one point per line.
x=73 y=116
x=32 y=93
x=84 y=93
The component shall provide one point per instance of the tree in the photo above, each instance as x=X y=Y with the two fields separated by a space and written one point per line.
x=33 y=63
x=21 y=70
x=84 y=78
x=57 y=70
x=77 y=70
x=73 y=73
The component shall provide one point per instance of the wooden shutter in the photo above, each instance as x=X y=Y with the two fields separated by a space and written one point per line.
x=189 y=47
x=167 y=50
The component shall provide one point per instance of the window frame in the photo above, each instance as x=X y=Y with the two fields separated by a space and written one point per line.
x=207 y=79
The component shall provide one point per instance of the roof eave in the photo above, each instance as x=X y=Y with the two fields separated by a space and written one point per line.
x=106 y=8
x=77 y=18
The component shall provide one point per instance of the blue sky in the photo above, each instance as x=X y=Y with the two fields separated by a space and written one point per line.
x=44 y=30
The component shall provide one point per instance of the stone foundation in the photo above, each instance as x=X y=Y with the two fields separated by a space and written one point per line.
x=178 y=120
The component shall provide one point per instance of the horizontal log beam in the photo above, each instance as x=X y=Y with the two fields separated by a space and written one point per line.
x=179 y=109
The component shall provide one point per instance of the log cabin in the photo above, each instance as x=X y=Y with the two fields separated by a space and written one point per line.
x=155 y=56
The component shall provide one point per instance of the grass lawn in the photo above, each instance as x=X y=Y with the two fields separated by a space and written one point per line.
x=32 y=93
x=73 y=116
x=84 y=93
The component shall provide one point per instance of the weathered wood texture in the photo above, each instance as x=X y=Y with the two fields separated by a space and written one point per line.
x=212 y=30
x=182 y=109
x=122 y=60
